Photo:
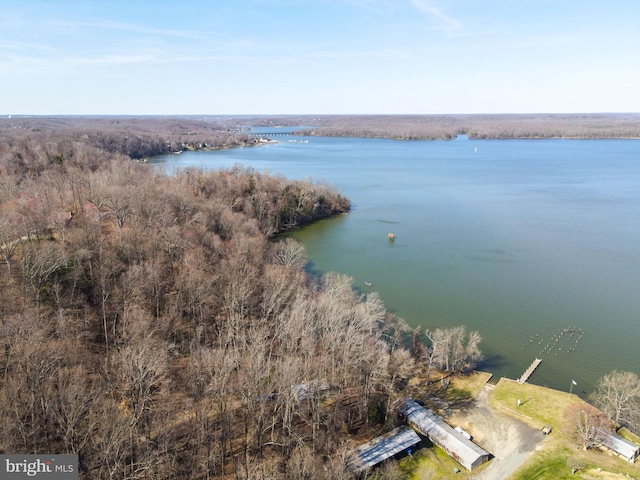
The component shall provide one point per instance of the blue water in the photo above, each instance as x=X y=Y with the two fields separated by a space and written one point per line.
x=518 y=239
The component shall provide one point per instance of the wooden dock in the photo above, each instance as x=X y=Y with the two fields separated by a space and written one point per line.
x=529 y=371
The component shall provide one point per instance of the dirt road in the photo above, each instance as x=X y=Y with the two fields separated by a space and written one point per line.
x=509 y=440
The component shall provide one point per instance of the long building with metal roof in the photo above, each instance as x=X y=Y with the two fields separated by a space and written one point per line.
x=427 y=423
x=383 y=447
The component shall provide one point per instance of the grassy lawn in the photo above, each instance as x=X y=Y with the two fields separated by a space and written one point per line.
x=543 y=406
x=472 y=384
x=539 y=406
x=432 y=463
x=555 y=463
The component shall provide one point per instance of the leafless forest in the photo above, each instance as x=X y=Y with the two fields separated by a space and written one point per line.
x=430 y=127
x=152 y=325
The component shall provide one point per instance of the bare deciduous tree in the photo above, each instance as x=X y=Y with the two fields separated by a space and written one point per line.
x=290 y=253
x=618 y=395
x=111 y=443
x=141 y=367
x=9 y=239
x=42 y=263
x=74 y=399
x=450 y=349
x=27 y=390
x=591 y=425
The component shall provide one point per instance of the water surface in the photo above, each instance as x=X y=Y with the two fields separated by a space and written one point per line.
x=534 y=243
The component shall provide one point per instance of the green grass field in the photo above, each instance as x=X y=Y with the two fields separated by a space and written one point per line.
x=543 y=406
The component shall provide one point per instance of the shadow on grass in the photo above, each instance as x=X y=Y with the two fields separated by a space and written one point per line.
x=459 y=399
x=444 y=401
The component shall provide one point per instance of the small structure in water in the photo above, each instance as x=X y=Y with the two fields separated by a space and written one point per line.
x=392 y=236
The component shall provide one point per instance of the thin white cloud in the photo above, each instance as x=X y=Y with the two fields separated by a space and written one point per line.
x=11 y=64
x=368 y=4
x=378 y=53
x=443 y=20
x=112 y=59
x=13 y=19
x=74 y=26
x=10 y=45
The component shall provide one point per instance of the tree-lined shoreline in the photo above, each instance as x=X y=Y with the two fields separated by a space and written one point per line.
x=149 y=324
x=489 y=126
x=145 y=136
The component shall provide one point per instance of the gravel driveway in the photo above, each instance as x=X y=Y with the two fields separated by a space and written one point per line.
x=509 y=440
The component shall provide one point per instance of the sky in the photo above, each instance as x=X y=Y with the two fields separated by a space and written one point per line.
x=244 y=57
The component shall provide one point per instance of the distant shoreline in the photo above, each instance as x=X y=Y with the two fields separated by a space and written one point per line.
x=148 y=136
x=321 y=133
x=504 y=126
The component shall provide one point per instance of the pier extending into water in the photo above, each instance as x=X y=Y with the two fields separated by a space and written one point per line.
x=529 y=371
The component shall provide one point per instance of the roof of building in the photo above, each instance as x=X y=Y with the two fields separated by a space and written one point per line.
x=383 y=447
x=463 y=450
x=620 y=445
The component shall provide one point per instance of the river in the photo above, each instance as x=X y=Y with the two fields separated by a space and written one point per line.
x=534 y=243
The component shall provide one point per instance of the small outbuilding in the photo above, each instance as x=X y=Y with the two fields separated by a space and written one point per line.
x=620 y=446
x=427 y=423
x=382 y=448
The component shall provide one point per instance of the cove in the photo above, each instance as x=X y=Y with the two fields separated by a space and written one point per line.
x=534 y=243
